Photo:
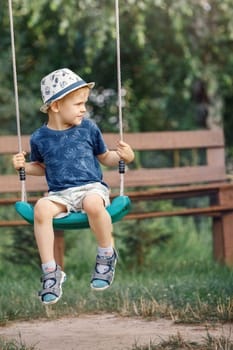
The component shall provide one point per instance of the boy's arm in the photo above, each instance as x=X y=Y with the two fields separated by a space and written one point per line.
x=31 y=168
x=111 y=158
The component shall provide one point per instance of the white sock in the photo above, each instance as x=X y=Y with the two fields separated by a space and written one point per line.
x=49 y=266
x=104 y=252
x=46 y=268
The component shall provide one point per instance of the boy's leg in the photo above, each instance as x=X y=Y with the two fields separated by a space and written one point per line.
x=53 y=277
x=101 y=225
x=44 y=212
x=99 y=219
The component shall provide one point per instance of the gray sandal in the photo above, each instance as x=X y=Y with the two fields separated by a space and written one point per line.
x=52 y=294
x=101 y=281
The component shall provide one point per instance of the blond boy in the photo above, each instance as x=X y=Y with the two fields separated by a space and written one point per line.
x=68 y=150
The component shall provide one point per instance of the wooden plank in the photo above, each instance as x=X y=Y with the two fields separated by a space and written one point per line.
x=176 y=139
x=13 y=200
x=32 y=199
x=9 y=144
x=188 y=191
x=133 y=178
x=166 y=140
x=13 y=223
x=167 y=176
x=11 y=184
x=209 y=211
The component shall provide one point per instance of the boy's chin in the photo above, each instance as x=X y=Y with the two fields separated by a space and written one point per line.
x=78 y=121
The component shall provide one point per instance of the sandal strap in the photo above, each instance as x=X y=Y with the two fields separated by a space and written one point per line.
x=106 y=261
x=53 y=275
x=51 y=290
x=110 y=262
x=58 y=277
x=107 y=276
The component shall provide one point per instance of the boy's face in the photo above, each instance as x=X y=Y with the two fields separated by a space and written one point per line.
x=72 y=107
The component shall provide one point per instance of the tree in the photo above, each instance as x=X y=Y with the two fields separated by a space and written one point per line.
x=165 y=47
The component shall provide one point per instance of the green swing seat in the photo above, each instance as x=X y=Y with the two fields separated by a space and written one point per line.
x=119 y=207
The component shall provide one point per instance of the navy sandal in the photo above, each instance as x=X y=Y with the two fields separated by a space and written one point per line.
x=52 y=294
x=102 y=281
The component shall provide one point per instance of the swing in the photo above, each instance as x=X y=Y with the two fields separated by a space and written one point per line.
x=121 y=204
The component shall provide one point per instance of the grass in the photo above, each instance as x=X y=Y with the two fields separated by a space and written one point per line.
x=175 y=342
x=180 y=280
x=178 y=343
x=14 y=345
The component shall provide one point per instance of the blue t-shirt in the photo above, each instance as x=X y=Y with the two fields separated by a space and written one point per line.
x=69 y=155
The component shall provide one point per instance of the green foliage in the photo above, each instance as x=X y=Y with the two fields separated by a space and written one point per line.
x=165 y=47
x=22 y=249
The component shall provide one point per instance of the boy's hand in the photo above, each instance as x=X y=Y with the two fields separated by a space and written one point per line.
x=125 y=152
x=19 y=160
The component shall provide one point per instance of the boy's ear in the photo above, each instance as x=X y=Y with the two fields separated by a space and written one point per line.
x=54 y=106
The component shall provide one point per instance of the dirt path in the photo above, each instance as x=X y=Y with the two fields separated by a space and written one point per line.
x=101 y=332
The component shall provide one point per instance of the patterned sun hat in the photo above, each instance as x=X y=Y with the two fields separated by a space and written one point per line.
x=58 y=84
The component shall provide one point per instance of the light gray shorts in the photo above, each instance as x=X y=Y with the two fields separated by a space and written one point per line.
x=72 y=198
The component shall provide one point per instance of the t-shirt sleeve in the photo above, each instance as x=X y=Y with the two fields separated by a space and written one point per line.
x=35 y=154
x=100 y=146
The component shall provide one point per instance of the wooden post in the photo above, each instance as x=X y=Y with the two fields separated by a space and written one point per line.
x=59 y=247
x=218 y=240
x=222 y=229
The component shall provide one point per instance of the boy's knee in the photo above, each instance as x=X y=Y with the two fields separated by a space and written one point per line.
x=41 y=209
x=93 y=205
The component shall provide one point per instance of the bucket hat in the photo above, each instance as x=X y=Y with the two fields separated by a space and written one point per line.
x=58 y=84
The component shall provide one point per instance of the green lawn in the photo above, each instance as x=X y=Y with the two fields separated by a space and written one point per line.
x=178 y=279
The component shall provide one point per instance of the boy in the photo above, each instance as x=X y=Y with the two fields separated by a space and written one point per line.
x=67 y=150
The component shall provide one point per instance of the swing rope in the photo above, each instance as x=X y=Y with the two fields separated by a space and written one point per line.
x=120 y=205
x=22 y=174
x=121 y=162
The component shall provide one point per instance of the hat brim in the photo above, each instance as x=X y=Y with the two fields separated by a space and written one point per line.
x=44 y=108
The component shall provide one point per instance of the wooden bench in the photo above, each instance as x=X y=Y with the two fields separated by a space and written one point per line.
x=184 y=177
